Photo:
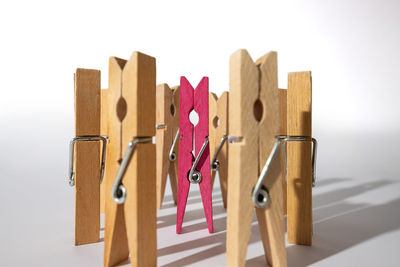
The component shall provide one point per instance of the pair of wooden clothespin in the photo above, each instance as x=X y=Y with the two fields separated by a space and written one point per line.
x=130 y=222
x=86 y=169
x=254 y=172
x=194 y=167
x=167 y=125
x=298 y=157
x=218 y=136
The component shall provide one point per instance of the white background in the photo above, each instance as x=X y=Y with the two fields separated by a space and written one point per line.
x=351 y=47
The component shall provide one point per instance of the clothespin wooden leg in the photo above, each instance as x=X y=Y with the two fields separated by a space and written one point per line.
x=254 y=123
x=103 y=132
x=218 y=130
x=87 y=167
x=271 y=218
x=164 y=138
x=283 y=131
x=213 y=139
x=115 y=239
x=201 y=132
x=299 y=168
x=173 y=170
x=139 y=90
x=185 y=149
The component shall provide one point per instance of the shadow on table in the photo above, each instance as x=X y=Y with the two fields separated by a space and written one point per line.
x=338 y=225
x=343 y=225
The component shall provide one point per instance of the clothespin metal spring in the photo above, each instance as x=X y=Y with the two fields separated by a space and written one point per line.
x=88 y=138
x=215 y=162
x=172 y=155
x=118 y=191
x=260 y=195
x=314 y=153
x=194 y=175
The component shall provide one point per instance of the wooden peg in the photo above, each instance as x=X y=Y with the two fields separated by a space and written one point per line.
x=131 y=226
x=165 y=113
x=87 y=162
x=254 y=124
x=218 y=129
x=283 y=131
x=299 y=168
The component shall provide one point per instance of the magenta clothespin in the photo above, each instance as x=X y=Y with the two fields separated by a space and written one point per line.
x=194 y=168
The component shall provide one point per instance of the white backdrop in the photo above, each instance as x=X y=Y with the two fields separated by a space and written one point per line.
x=351 y=47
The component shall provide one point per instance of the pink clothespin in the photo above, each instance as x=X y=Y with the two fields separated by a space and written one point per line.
x=195 y=168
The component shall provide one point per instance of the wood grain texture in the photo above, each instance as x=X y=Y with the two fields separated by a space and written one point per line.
x=87 y=161
x=115 y=239
x=103 y=132
x=299 y=205
x=283 y=131
x=218 y=119
x=253 y=109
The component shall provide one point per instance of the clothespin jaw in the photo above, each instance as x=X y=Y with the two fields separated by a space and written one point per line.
x=218 y=119
x=253 y=127
x=194 y=168
x=86 y=176
x=131 y=224
x=166 y=110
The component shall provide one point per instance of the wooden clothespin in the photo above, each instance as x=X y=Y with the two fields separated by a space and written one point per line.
x=300 y=169
x=130 y=198
x=218 y=120
x=194 y=168
x=254 y=171
x=86 y=169
x=167 y=125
